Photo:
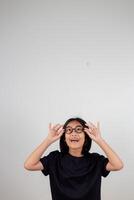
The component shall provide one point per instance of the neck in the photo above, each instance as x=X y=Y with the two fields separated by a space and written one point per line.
x=75 y=152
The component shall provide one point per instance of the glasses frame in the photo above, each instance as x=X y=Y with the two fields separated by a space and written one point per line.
x=74 y=129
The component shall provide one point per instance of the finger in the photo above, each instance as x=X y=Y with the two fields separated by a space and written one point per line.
x=56 y=126
x=98 y=125
x=88 y=124
x=60 y=130
x=61 y=133
x=60 y=127
x=91 y=124
x=50 y=125
x=90 y=127
x=86 y=129
x=88 y=132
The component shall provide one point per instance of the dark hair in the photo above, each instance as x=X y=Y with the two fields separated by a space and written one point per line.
x=87 y=144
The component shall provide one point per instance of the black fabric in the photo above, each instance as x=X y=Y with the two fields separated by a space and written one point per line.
x=75 y=178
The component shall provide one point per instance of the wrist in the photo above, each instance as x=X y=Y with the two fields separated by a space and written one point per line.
x=99 y=140
x=48 y=141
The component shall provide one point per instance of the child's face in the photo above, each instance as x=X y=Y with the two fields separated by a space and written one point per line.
x=74 y=138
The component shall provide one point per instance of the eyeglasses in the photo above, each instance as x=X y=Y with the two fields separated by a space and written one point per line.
x=78 y=129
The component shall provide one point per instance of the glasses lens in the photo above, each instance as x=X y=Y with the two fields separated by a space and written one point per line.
x=68 y=130
x=79 y=129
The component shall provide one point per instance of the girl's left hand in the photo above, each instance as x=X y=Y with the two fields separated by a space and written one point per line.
x=93 y=131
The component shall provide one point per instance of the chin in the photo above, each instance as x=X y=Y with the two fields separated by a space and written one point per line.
x=75 y=146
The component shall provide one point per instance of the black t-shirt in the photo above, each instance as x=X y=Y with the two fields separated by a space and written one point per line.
x=75 y=178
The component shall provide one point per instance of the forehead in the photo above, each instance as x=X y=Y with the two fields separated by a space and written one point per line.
x=74 y=123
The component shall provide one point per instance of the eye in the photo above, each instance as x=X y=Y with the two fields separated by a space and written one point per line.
x=68 y=130
x=79 y=129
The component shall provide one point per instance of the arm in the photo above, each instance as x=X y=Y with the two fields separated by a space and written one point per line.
x=115 y=163
x=33 y=161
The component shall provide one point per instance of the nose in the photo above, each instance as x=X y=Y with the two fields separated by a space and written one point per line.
x=73 y=132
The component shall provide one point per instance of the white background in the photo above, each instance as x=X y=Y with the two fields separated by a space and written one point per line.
x=62 y=59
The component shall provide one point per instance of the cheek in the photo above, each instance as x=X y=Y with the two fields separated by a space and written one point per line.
x=66 y=139
x=83 y=139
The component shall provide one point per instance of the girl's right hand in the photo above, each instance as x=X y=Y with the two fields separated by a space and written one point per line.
x=55 y=132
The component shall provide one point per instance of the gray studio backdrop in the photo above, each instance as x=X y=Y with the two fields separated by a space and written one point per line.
x=61 y=59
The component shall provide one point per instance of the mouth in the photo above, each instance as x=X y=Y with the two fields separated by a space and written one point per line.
x=74 y=141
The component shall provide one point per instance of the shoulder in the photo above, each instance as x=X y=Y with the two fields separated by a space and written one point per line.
x=51 y=155
x=101 y=162
x=54 y=154
x=93 y=155
x=97 y=157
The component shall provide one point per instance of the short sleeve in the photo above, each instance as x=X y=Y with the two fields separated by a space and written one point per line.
x=47 y=162
x=102 y=162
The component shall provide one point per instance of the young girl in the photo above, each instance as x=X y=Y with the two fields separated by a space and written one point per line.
x=74 y=172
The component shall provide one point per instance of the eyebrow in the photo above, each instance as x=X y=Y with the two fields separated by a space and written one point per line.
x=75 y=126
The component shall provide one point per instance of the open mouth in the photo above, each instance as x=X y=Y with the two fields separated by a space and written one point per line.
x=75 y=141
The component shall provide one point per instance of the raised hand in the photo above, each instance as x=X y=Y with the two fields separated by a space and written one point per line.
x=93 y=131
x=55 y=132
